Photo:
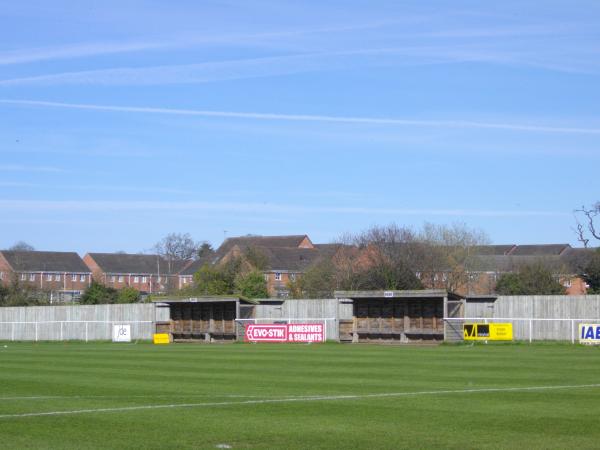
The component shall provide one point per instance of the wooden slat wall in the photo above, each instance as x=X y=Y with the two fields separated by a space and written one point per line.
x=395 y=319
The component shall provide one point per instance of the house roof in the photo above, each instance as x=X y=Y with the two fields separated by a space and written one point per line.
x=540 y=250
x=195 y=266
x=35 y=261
x=509 y=263
x=294 y=259
x=503 y=249
x=262 y=241
x=136 y=263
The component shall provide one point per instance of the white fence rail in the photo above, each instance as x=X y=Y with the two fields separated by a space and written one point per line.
x=533 y=328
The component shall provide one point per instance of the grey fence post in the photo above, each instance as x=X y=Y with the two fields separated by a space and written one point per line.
x=530 y=330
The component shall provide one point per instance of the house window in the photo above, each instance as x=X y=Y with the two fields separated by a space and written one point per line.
x=293 y=276
x=23 y=276
x=444 y=277
x=418 y=275
x=277 y=276
x=74 y=277
x=266 y=275
x=120 y=278
x=57 y=277
x=144 y=279
x=82 y=278
x=112 y=278
x=158 y=279
x=1 y=275
x=32 y=277
x=136 y=279
x=49 y=277
x=567 y=284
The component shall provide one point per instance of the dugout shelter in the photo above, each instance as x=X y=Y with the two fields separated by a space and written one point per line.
x=398 y=316
x=207 y=319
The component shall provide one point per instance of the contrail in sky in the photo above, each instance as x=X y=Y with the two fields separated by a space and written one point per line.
x=308 y=117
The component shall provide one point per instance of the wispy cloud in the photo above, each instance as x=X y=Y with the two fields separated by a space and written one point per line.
x=181 y=40
x=309 y=118
x=240 y=68
x=97 y=188
x=117 y=206
x=23 y=168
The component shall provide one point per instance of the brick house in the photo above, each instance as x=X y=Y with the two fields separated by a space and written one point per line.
x=63 y=275
x=286 y=258
x=489 y=262
x=147 y=273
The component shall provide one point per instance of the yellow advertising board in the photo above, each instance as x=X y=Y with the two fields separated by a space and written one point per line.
x=488 y=332
x=161 y=338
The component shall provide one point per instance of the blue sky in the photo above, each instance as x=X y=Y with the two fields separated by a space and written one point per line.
x=124 y=121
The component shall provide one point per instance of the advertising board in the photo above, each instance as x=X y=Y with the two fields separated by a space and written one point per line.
x=589 y=333
x=293 y=332
x=121 y=333
x=488 y=332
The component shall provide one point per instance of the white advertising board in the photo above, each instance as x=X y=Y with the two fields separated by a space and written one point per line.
x=589 y=333
x=121 y=333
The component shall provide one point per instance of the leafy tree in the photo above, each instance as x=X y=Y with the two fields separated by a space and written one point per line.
x=98 y=294
x=252 y=285
x=205 y=250
x=591 y=273
x=211 y=280
x=509 y=284
x=318 y=281
x=22 y=246
x=21 y=294
x=128 y=295
x=532 y=279
x=256 y=258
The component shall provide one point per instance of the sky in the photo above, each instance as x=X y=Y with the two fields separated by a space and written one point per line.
x=123 y=121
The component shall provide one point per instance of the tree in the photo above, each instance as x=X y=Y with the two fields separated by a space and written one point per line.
x=211 y=280
x=252 y=285
x=21 y=294
x=445 y=254
x=586 y=226
x=318 y=281
x=177 y=247
x=22 y=246
x=591 y=273
x=128 y=295
x=534 y=279
x=205 y=250
x=98 y=294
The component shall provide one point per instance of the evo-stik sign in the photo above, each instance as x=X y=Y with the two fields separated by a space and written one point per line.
x=293 y=332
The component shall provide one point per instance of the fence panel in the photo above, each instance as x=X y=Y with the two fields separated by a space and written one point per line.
x=78 y=322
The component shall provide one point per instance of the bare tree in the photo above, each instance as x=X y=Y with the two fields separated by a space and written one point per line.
x=22 y=246
x=177 y=247
x=585 y=220
x=446 y=254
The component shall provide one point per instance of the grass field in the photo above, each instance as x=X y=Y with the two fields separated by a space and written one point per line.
x=104 y=395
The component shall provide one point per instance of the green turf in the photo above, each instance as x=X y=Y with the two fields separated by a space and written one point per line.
x=104 y=375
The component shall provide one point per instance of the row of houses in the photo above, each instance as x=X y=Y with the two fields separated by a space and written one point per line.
x=285 y=258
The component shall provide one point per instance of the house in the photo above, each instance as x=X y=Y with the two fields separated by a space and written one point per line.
x=147 y=273
x=63 y=275
x=489 y=262
x=284 y=258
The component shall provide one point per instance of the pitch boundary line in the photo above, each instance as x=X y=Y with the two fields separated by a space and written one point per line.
x=299 y=399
